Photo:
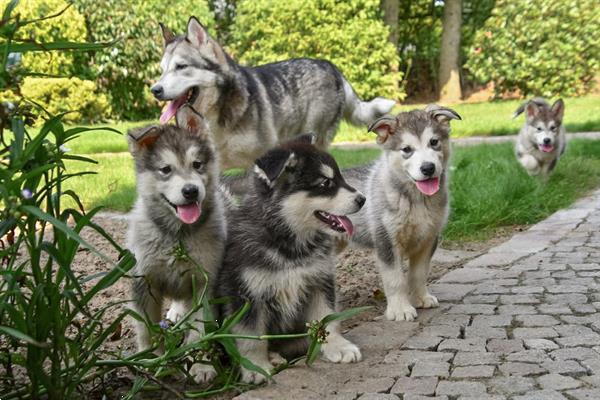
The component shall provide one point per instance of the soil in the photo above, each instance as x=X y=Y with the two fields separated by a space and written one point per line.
x=357 y=282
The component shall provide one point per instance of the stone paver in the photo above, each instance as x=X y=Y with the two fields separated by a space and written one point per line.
x=520 y=322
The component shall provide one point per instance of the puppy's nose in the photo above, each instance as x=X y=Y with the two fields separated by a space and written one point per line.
x=157 y=91
x=428 y=168
x=547 y=140
x=190 y=192
x=360 y=200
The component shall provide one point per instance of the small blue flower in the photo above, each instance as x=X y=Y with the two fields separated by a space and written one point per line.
x=163 y=324
x=26 y=193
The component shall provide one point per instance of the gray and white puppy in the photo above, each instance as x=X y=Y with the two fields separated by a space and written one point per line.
x=280 y=252
x=178 y=203
x=250 y=110
x=407 y=188
x=542 y=139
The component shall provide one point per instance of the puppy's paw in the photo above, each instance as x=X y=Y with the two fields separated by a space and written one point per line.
x=426 y=300
x=275 y=359
x=400 y=312
x=203 y=373
x=176 y=311
x=340 y=350
x=254 y=377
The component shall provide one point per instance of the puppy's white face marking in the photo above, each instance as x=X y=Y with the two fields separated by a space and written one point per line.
x=412 y=152
x=542 y=131
x=327 y=171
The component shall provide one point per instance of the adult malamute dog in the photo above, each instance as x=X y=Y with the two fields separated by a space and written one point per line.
x=407 y=204
x=178 y=204
x=280 y=251
x=541 y=140
x=252 y=109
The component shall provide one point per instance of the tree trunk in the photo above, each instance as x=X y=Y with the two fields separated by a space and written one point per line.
x=390 y=17
x=449 y=77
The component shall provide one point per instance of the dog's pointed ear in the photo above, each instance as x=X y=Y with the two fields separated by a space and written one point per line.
x=384 y=127
x=441 y=114
x=143 y=138
x=167 y=34
x=532 y=110
x=191 y=120
x=558 y=109
x=196 y=33
x=270 y=167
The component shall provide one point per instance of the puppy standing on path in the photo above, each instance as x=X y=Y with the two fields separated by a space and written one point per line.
x=280 y=252
x=541 y=140
x=178 y=204
x=407 y=204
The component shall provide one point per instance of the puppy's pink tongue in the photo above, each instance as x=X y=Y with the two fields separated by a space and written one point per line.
x=171 y=109
x=346 y=223
x=546 y=148
x=429 y=187
x=189 y=213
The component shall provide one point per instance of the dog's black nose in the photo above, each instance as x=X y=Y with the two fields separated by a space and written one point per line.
x=428 y=168
x=360 y=200
x=190 y=192
x=157 y=91
x=547 y=140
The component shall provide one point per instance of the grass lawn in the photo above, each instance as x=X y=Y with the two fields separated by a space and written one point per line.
x=479 y=119
x=489 y=189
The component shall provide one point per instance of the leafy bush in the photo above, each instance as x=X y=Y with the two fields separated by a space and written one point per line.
x=59 y=95
x=128 y=68
x=70 y=25
x=350 y=34
x=538 y=48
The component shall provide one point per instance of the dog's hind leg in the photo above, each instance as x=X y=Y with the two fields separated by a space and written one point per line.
x=420 y=263
x=148 y=304
x=337 y=349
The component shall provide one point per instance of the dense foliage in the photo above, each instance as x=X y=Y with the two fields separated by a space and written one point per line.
x=539 y=47
x=128 y=68
x=351 y=34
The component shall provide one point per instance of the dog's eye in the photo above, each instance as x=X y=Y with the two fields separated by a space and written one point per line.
x=407 y=149
x=539 y=128
x=553 y=128
x=179 y=67
x=434 y=142
x=165 y=170
x=197 y=165
x=325 y=183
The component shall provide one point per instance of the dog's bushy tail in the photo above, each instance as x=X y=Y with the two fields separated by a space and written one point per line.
x=360 y=112
x=537 y=100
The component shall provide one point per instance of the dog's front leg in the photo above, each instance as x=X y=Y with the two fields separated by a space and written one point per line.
x=420 y=264
x=257 y=351
x=337 y=349
x=201 y=372
x=395 y=286
x=148 y=304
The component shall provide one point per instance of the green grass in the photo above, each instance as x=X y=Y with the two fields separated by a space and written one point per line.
x=479 y=119
x=489 y=190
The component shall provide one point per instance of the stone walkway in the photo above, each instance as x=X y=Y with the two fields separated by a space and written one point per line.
x=520 y=322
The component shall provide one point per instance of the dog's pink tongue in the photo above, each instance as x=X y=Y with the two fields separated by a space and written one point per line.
x=171 y=109
x=346 y=223
x=189 y=213
x=429 y=186
x=546 y=148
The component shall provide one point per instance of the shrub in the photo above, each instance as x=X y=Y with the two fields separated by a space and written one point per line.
x=59 y=95
x=70 y=25
x=128 y=68
x=538 y=48
x=350 y=34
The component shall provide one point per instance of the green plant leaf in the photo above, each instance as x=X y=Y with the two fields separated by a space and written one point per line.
x=344 y=314
x=21 y=336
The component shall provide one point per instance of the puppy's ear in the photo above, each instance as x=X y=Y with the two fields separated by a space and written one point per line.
x=270 y=167
x=558 y=109
x=384 y=127
x=192 y=121
x=143 y=138
x=441 y=114
x=168 y=36
x=196 y=33
x=532 y=110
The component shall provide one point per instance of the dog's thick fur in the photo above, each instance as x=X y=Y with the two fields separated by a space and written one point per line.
x=280 y=251
x=399 y=220
x=542 y=139
x=175 y=168
x=250 y=110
